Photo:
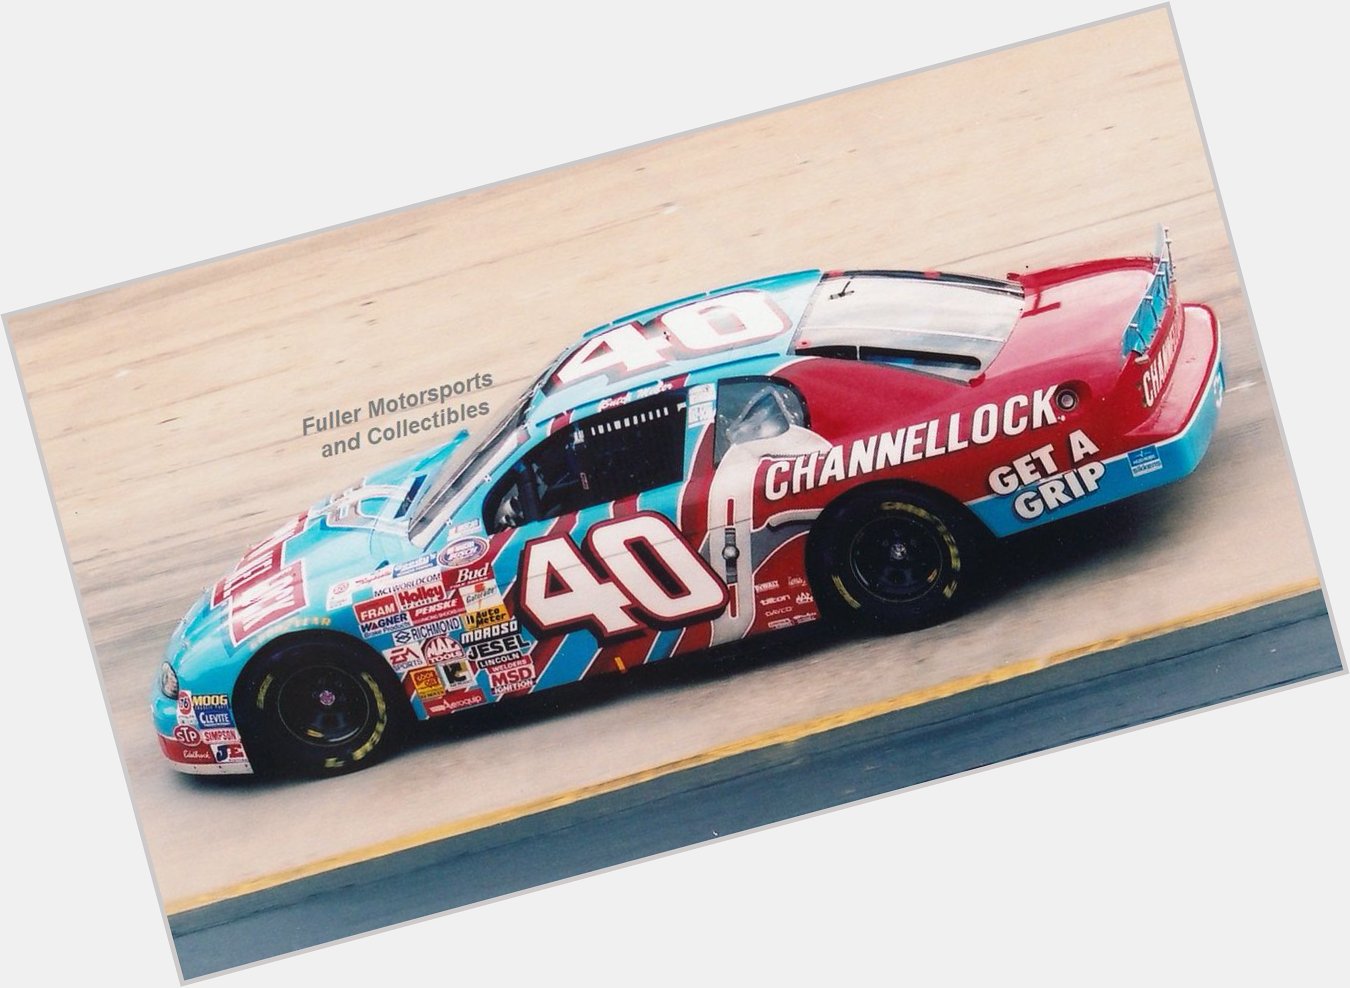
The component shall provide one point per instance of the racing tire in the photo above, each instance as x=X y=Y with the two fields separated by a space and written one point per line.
x=899 y=558
x=319 y=706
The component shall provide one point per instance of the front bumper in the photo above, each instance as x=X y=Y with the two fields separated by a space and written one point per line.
x=197 y=731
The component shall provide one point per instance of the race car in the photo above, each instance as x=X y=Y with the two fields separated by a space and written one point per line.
x=817 y=445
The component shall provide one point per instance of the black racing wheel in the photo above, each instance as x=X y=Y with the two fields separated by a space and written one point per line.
x=898 y=557
x=319 y=705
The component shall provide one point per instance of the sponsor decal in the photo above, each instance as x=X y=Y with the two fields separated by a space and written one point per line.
x=794 y=581
x=449 y=609
x=779 y=623
x=1017 y=414
x=496 y=651
x=260 y=562
x=465 y=528
x=775 y=611
x=418 y=565
x=403 y=658
x=507 y=679
x=508 y=627
x=1144 y=461
x=804 y=598
x=339 y=595
x=185 y=754
x=438 y=649
x=700 y=414
x=456 y=675
x=1155 y=375
x=1054 y=487
x=184 y=703
x=380 y=615
x=228 y=752
x=778 y=599
x=220 y=735
x=488 y=616
x=184 y=734
x=766 y=587
x=416 y=596
x=701 y=393
x=804 y=618
x=420 y=632
x=463 y=552
x=454 y=701
x=455 y=578
x=266 y=602
x=426 y=683
x=480 y=596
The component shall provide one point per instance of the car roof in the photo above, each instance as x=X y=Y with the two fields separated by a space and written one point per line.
x=790 y=293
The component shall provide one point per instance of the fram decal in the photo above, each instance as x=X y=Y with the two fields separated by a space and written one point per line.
x=923 y=441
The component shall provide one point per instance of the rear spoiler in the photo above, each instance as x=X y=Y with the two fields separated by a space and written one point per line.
x=1144 y=324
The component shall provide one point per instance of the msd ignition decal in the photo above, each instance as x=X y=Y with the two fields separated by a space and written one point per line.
x=695 y=329
x=924 y=441
x=261 y=591
x=629 y=568
x=1054 y=486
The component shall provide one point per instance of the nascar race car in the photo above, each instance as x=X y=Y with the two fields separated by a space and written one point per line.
x=813 y=445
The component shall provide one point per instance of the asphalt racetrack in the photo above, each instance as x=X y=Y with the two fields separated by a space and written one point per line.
x=1062 y=150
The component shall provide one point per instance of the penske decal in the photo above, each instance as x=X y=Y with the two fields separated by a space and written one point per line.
x=1018 y=414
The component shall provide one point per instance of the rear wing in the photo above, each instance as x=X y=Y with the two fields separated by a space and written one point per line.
x=1153 y=307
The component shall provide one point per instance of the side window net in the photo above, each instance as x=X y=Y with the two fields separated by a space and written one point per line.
x=754 y=409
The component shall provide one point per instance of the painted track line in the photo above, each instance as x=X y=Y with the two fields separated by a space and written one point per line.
x=764 y=739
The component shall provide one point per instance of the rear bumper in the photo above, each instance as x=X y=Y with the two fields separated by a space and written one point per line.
x=1171 y=443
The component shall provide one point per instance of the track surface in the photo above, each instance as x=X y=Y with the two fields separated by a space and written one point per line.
x=1256 y=649
x=169 y=410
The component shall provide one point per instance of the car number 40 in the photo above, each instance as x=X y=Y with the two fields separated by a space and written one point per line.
x=630 y=573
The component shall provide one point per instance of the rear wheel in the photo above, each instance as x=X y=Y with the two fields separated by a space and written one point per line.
x=319 y=706
x=896 y=557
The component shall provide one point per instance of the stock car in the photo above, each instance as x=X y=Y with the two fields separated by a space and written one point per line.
x=820 y=444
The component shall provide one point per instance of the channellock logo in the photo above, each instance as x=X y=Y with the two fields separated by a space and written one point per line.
x=923 y=441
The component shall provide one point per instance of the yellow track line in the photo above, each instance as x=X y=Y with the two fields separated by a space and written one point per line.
x=765 y=739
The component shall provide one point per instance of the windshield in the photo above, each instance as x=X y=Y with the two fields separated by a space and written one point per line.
x=467 y=464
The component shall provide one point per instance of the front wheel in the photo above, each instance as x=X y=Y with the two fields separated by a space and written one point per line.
x=897 y=557
x=319 y=706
